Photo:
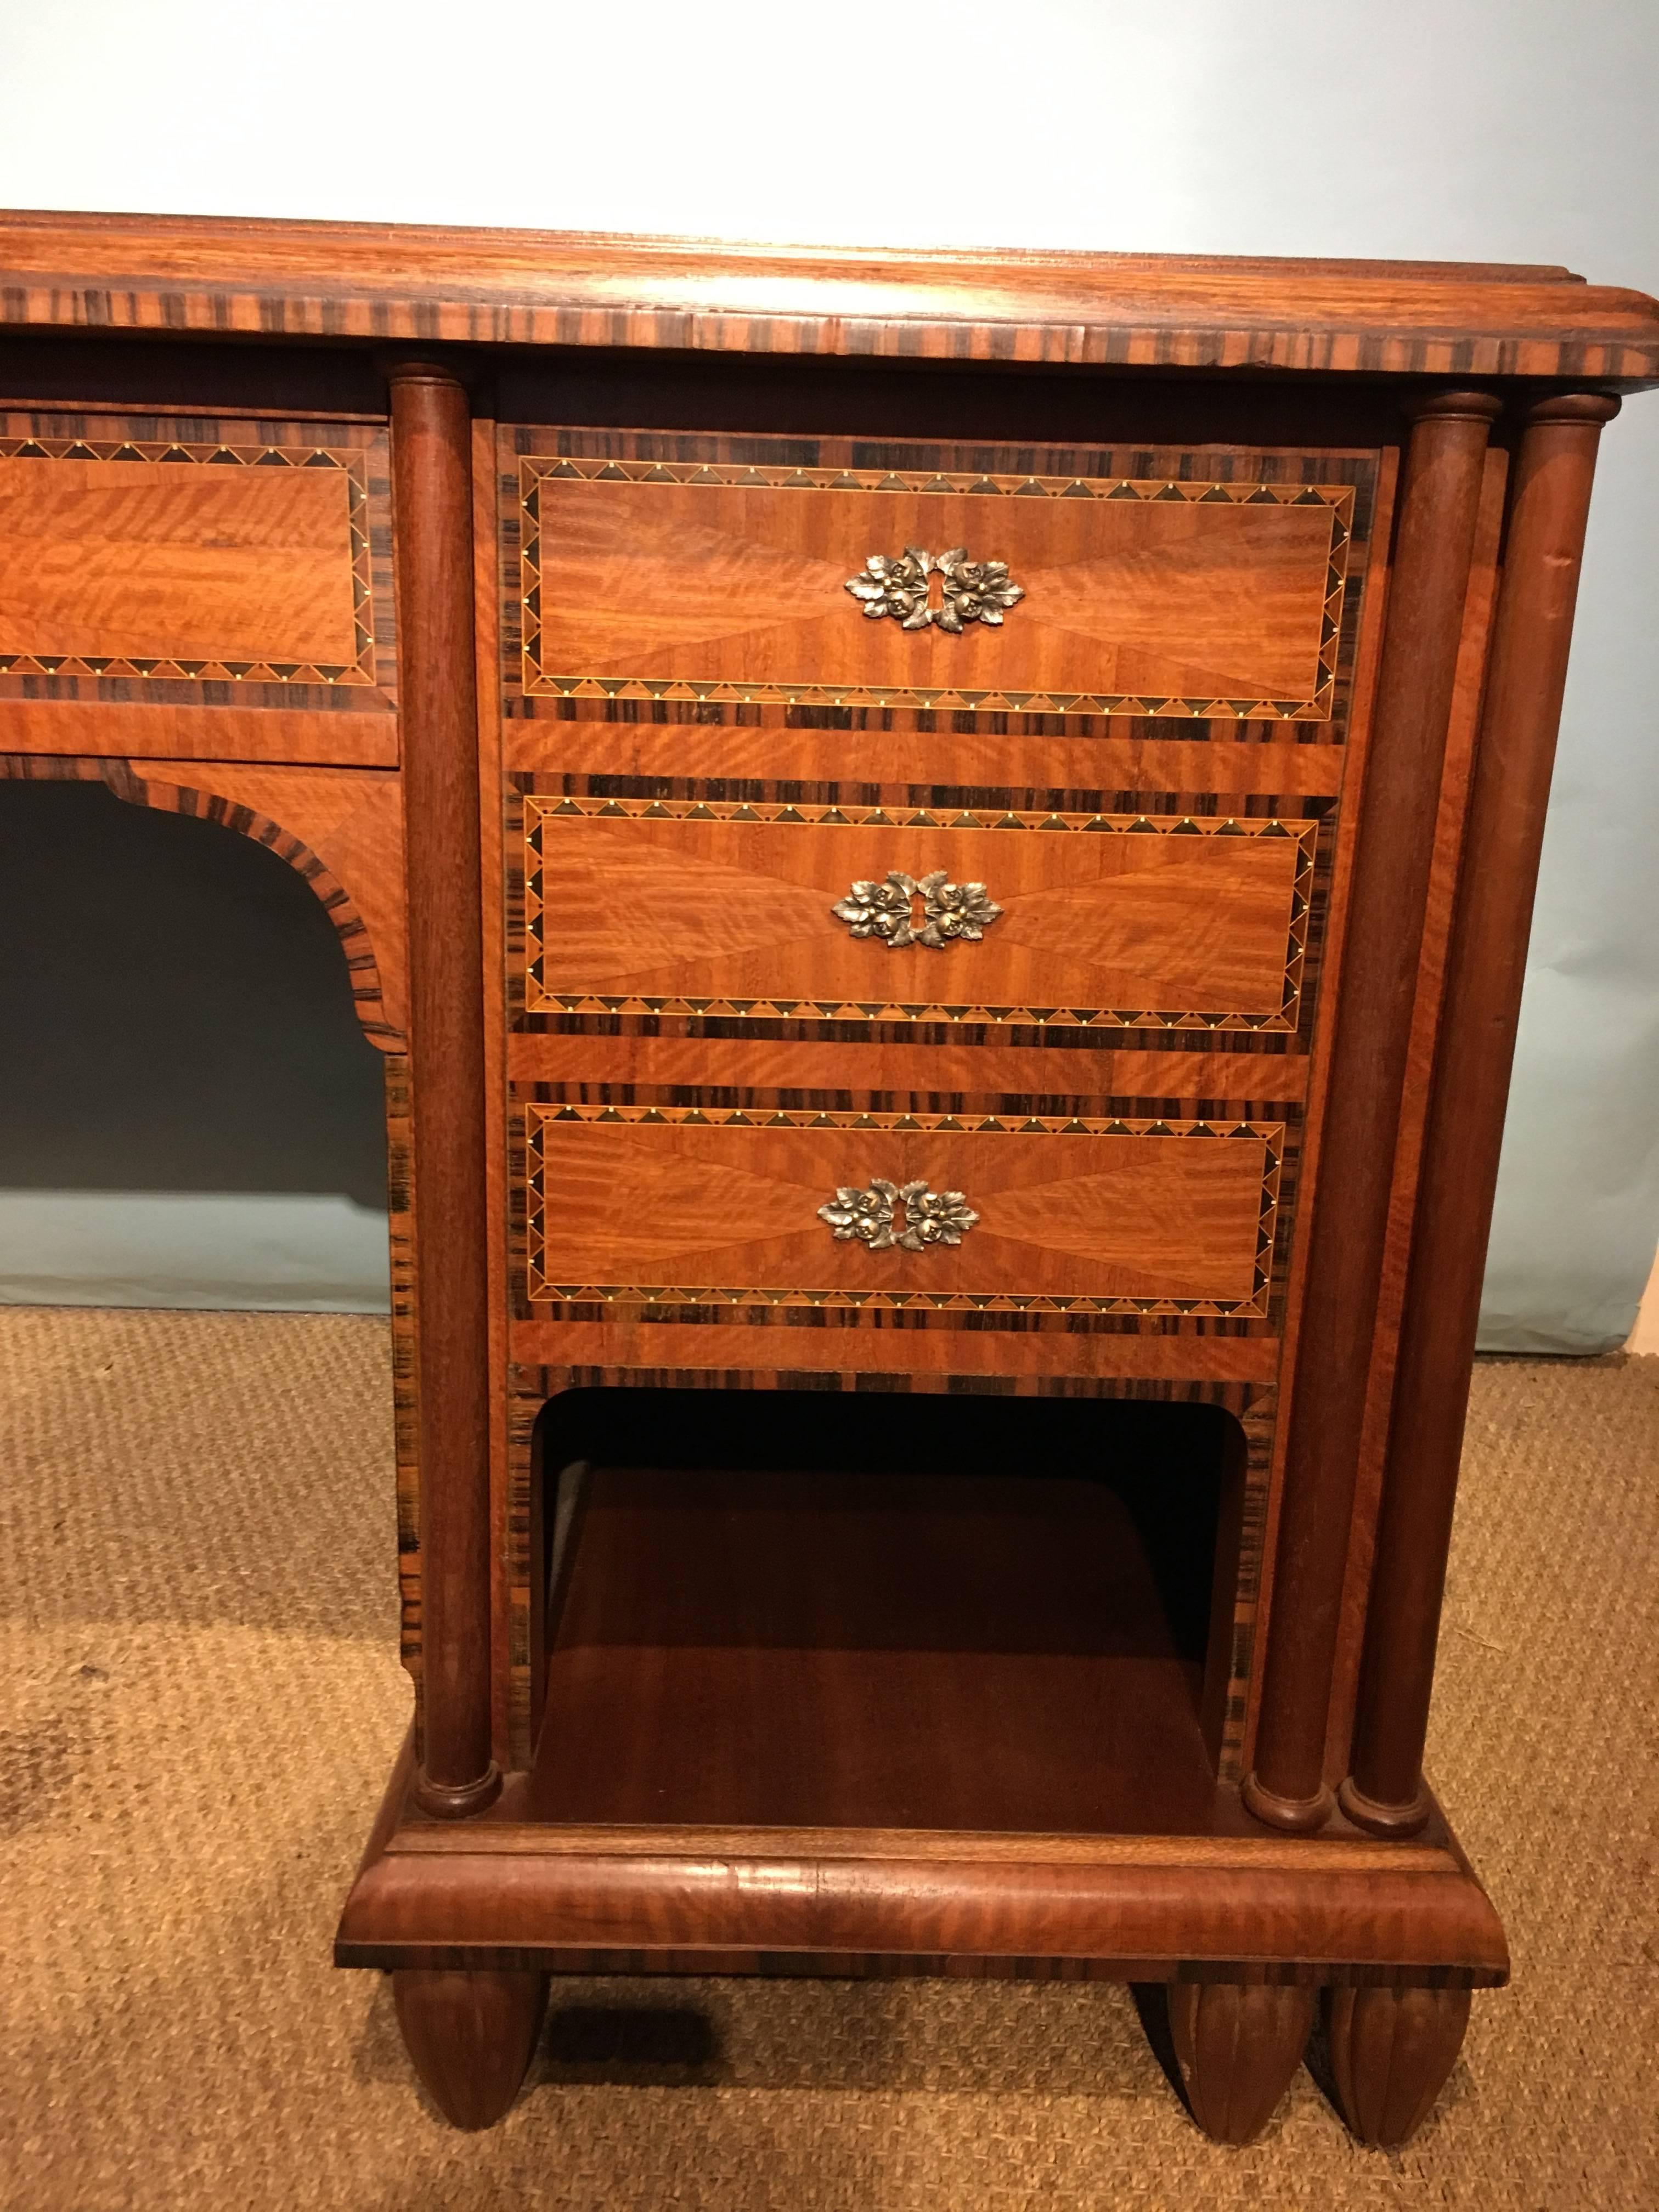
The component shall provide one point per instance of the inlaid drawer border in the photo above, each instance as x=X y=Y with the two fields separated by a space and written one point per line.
x=541 y=1291
x=350 y=462
x=534 y=468
x=539 y=999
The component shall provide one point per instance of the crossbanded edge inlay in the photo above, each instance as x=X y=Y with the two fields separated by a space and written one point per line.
x=542 y=1288
x=538 y=677
x=549 y=991
x=350 y=464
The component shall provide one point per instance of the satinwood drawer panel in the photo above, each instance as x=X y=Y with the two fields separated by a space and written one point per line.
x=735 y=909
x=241 y=562
x=673 y=1205
x=1208 y=583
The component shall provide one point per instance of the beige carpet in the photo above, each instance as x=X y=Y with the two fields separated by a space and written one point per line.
x=199 y=1701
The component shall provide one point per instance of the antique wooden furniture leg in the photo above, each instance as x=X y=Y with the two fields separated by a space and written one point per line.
x=1444 y=466
x=469 y=2033
x=1238 y=2044
x=1503 y=837
x=1391 y=2053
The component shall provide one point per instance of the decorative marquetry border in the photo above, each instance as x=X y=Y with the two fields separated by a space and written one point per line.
x=350 y=462
x=535 y=469
x=541 y=1289
x=541 y=999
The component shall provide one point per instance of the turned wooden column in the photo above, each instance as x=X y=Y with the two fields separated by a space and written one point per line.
x=1503 y=835
x=432 y=516
x=1439 y=500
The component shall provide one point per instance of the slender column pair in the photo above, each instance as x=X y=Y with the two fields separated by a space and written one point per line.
x=1440 y=499
x=1504 y=830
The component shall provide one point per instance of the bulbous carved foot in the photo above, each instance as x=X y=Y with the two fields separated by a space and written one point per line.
x=1391 y=2051
x=469 y=2035
x=1238 y=2044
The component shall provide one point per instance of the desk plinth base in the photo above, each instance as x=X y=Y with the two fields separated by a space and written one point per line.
x=1245 y=1929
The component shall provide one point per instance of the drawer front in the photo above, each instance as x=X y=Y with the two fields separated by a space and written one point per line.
x=250 y=567
x=1137 y=596
x=1218 y=584
x=762 y=910
x=672 y=1204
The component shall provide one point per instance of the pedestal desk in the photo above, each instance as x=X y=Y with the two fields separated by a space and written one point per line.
x=939 y=851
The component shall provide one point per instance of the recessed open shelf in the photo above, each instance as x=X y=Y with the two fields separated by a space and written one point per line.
x=958 y=1615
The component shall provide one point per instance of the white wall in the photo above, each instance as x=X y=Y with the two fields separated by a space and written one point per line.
x=1475 y=129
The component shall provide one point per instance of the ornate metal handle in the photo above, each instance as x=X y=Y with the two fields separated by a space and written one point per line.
x=975 y=591
x=887 y=910
x=929 y=1216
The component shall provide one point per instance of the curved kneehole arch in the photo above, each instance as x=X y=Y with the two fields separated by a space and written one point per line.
x=340 y=831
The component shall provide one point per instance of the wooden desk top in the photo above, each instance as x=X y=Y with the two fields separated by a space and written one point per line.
x=377 y=282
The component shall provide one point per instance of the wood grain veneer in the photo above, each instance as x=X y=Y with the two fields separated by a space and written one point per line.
x=1143 y=596
x=130 y=562
x=1229 y=1138
x=433 y=489
x=1507 y=803
x=1098 y=1215
x=931 y=757
x=196 y=562
x=380 y=281
x=651 y=906
x=199 y=733
x=967 y=1653
x=1440 y=507
x=341 y=830
x=1212 y=583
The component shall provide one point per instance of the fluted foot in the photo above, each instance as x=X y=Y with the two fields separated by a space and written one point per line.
x=469 y=2035
x=1238 y=2044
x=1391 y=2052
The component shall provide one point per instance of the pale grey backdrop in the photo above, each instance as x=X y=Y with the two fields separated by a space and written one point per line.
x=169 y=1135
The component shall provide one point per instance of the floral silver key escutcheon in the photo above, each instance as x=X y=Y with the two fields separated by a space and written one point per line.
x=973 y=590
x=887 y=910
x=907 y=1215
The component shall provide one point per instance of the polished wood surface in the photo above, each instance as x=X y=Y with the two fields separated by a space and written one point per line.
x=1220 y=1069
x=1171 y=582
x=1023 y=761
x=134 y=562
x=1101 y=1355
x=667 y=1899
x=187 y=566
x=1503 y=836
x=308 y=737
x=922 y=1651
x=723 y=1911
x=656 y=904
x=471 y=2037
x=966 y=1060
x=1200 y=1451
x=1391 y=2051
x=1136 y=593
x=1440 y=508
x=1238 y=2044
x=433 y=495
x=504 y=1600
x=380 y=281
x=1155 y=1218
x=1479 y=605
x=340 y=831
